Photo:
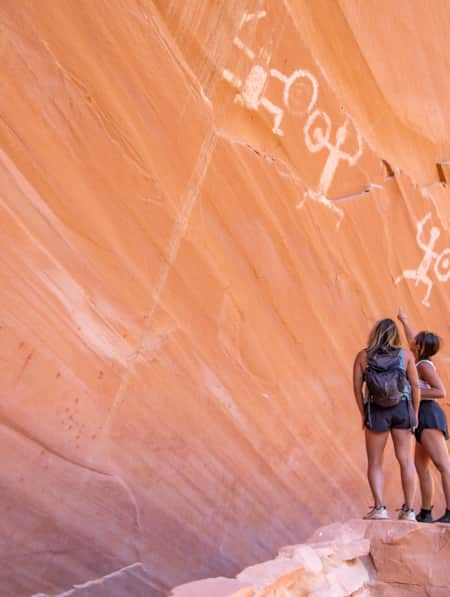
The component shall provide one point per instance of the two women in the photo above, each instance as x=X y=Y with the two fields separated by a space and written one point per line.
x=428 y=422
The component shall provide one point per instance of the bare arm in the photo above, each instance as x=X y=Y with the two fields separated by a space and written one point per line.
x=429 y=375
x=358 y=371
x=409 y=332
x=413 y=378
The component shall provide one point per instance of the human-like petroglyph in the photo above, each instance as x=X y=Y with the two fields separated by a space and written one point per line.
x=299 y=97
x=439 y=261
x=251 y=90
x=318 y=138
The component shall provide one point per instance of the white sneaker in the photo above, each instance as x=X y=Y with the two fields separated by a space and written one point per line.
x=407 y=514
x=377 y=513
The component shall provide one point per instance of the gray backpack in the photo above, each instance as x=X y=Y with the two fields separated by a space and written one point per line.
x=385 y=377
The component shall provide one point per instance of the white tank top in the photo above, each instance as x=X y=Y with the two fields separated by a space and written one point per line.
x=423 y=384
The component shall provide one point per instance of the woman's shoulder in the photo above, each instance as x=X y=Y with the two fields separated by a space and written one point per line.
x=426 y=363
x=361 y=357
x=407 y=357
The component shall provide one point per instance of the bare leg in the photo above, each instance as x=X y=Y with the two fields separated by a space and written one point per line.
x=402 y=446
x=375 y=444
x=422 y=462
x=433 y=441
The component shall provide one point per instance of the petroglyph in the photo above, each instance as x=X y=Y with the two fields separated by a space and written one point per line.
x=441 y=265
x=299 y=97
x=251 y=90
x=317 y=138
x=247 y=17
x=295 y=90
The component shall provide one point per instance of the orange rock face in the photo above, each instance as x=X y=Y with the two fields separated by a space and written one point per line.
x=204 y=207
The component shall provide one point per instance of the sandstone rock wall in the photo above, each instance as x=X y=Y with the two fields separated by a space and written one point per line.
x=204 y=207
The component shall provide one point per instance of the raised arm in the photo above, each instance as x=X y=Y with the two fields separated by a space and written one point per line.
x=429 y=375
x=413 y=378
x=409 y=333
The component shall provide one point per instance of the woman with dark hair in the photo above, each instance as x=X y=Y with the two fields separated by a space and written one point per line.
x=432 y=430
x=378 y=421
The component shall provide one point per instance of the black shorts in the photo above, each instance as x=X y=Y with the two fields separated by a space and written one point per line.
x=431 y=416
x=381 y=419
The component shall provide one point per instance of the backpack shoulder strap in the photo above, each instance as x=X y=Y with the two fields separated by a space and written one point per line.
x=407 y=389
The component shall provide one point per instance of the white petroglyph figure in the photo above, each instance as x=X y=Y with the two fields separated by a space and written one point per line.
x=318 y=138
x=299 y=96
x=441 y=260
x=251 y=90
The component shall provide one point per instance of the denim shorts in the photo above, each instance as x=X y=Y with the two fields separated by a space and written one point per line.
x=400 y=416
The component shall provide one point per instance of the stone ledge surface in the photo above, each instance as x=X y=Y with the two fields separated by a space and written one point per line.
x=356 y=558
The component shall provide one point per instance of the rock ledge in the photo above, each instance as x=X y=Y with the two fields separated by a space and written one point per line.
x=360 y=558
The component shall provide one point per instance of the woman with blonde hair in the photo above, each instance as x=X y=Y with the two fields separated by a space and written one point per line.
x=432 y=430
x=386 y=389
